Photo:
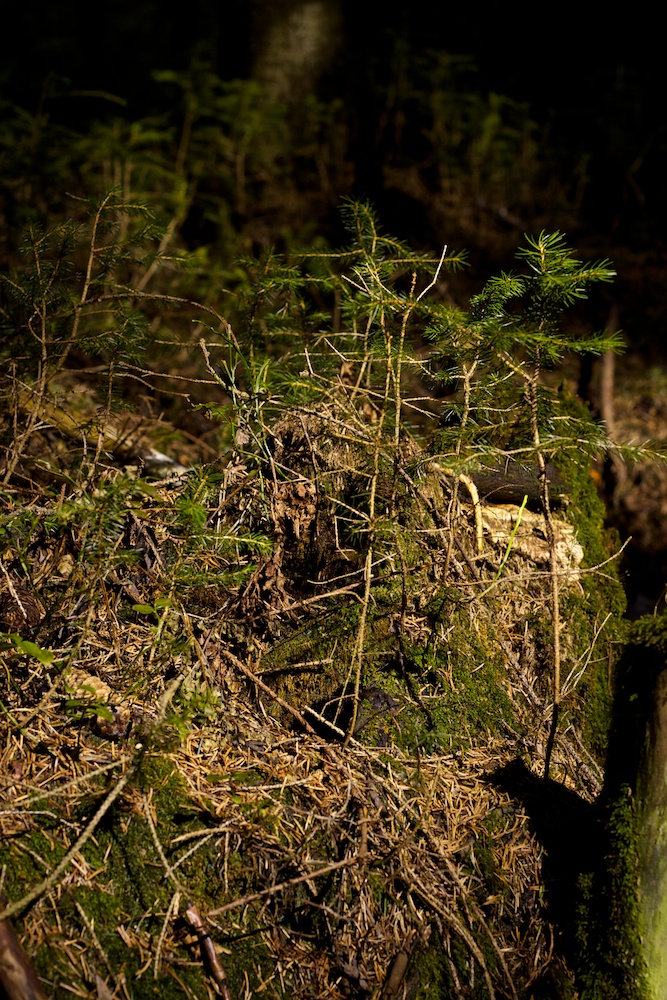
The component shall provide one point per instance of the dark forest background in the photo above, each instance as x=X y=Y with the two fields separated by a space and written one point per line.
x=242 y=125
x=467 y=126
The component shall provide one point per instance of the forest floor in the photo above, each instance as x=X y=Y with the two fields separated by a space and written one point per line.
x=175 y=812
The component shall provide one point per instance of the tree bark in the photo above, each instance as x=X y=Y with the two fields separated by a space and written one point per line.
x=634 y=877
x=652 y=839
x=295 y=43
x=18 y=980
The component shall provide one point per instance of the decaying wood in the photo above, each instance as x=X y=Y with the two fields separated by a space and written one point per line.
x=209 y=953
x=512 y=481
x=18 y=980
x=396 y=976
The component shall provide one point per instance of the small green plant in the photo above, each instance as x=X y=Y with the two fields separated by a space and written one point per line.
x=338 y=338
x=13 y=642
x=512 y=536
x=515 y=332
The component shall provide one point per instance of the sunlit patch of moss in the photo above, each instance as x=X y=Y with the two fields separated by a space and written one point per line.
x=132 y=893
x=455 y=695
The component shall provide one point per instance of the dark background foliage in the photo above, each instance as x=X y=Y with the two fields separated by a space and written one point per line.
x=468 y=126
x=593 y=85
x=240 y=126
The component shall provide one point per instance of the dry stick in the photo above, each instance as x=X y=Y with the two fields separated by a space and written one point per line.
x=160 y=297
x=324 y=721
x=12 y=591
x=531 y=379
x=178 y=885
x=171 y=910
x=396 y=975
x=474 y=496
x=346 y=863
x=18 y=979
x=535 y=702
x=368 y=579
x=404 y=325
x=586 y=657
x=606 y=392
x=361 y=633
x=607 y=366
x=50 y=793
x=358 y=657
x=103 y=424
x=247 y=672
x=393 y=376
x=553 y=566
x=164 y=243
x=20 y=439
x=40 y=311
x=538 y=574
x=467 y=376
x=207 y=947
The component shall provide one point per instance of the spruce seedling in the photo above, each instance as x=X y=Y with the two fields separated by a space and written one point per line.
x=514 y=333
x=488 y=362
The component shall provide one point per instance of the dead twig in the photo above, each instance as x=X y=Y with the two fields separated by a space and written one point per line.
x=247 y=672
x=273 y=889
x=208 y=951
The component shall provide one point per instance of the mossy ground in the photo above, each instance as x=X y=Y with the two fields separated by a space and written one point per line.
x=326 y=684
x=435 y=686
x=124 y=901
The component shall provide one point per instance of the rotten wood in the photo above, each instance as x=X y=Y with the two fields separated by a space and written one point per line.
x=18 y=979
x=209 y=954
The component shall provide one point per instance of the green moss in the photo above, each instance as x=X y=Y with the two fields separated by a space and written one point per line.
x=612 y=966
x=592 y=657
x=27 y=860
x=463 y=691
x=431 y=969
x=133 y=892
x=651 y=632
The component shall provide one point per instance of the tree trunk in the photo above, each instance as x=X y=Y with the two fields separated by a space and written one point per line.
x=652 y=839
x=631 y=908
x=295 y=43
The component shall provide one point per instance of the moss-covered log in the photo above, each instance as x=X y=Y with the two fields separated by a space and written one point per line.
x=652 y=830
x=635 y=879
